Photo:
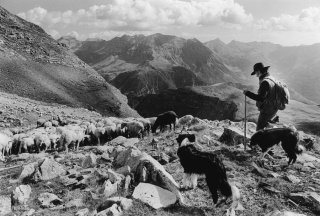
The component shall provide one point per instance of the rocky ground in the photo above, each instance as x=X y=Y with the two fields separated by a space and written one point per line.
x=102 y=180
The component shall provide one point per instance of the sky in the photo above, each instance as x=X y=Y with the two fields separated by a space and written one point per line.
x=285 y=22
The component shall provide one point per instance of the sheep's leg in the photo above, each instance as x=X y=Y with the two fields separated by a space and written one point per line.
x=98 y=141
x=78 y=143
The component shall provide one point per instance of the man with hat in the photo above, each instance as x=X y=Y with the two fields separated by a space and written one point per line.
x=265 y=99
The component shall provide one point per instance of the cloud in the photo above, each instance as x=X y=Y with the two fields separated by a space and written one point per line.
x=145 y=15
x=307 y=20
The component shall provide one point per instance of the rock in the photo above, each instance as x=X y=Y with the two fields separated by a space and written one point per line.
x=89 y=161
x=83 y=212
x=114 y=210
x=304 y=157
x=124 y=203
x=115 y=177
x=309 y=199
x=309 y=164
x=28 y=170
x=74 y=203
x=50 y=169
x=66 y=181
x=48 y=200
x=140 y=161
x=260 y=171
x=125 y=170
x=127 y=183
x=5 y=205
x=233 y=136
x=273 y=175
x=154 y=196
x=118 y=141
x=284 y=213
x=164 y=158
x=110 y=188
x=21 y=194
x=29 y=213
x=292 y=179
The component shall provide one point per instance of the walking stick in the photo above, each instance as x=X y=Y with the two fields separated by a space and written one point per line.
x=245 y=123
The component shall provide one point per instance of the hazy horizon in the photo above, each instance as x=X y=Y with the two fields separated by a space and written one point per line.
x=284 y=22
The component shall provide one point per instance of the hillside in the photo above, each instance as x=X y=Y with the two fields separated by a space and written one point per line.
x=88 y=181
x=297 y=66
x=34 y=65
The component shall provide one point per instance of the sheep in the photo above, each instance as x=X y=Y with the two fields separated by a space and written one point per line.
x=134 y=128
x=98 y=133
x=40 y=122
x=26 y=143
x=146 y=124
x=55 y=123
x=69 y=136
x=42 y=141
x=47 y=124
x=100 y=124
x=54 y=138
x=166 y=118
x=185 y=120
x=152 y=120
x=5 y=141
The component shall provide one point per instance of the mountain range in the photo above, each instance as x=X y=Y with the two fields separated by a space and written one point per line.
x=34 y=65
x=297 y=66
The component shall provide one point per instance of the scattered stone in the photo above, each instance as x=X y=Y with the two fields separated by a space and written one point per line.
x=127 y=183
x=28 y=170
x=292 y=179
x=125 y=170
x=284 y=213
x=114 y=177
x=29 y=213
x=309 y=164
x=89 y=161
x=273 y=175
x=48 y=200
x=5 y=205
x=125 y=203
x=114 y=210
x=154 y=196
x=310 y=199
x=118 y=141
x=258 y=170
x=83 y=212
x=21 y=194
x=50 y=169
x=110 y=188
x=74 y=203
x=233 y=136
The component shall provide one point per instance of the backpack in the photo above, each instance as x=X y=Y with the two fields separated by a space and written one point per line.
x=282 y=95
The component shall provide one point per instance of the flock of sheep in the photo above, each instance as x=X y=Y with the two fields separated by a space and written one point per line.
x=58 y=134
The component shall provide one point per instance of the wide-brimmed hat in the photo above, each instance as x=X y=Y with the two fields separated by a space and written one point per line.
x=259 y=67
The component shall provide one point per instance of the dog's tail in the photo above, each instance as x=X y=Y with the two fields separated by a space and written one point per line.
x=299 y=149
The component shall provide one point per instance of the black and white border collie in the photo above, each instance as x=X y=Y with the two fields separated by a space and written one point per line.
x=195 y=162
x=268 y=138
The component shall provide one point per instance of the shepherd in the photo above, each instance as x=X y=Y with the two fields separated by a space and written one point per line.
x=272 y=96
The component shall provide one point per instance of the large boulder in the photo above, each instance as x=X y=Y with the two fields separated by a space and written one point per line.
x=21 y=194
x=233 y=136
x=28 y=170
x=5 y=205
x=110 y=188
x=154 y=196
x=147 y=169
x=50 y=169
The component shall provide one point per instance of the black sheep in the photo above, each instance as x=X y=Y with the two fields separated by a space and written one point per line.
x=163 y=119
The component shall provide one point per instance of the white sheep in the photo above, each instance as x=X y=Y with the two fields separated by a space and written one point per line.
x=71 y=135
x=98 y=133
x=42 y=141
x=146 y=124
x=26 y=143
x=5 y=141
x=55 y=123
x=134 y=128
x=152 y=120
x=47 y=124
x=54 y=138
